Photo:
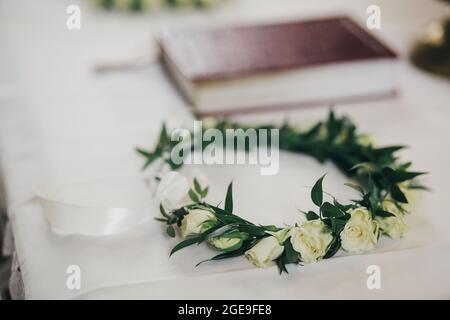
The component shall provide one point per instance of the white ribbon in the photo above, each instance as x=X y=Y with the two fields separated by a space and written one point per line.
x=95 y=208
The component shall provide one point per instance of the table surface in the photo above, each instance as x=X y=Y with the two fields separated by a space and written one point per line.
x=62 y=122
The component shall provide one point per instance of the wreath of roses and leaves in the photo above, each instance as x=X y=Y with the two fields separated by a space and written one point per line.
x=384 y=183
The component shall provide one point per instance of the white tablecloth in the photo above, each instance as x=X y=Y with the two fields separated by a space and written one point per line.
x=61 y=122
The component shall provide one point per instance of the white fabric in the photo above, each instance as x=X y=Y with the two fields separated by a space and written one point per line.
x=95 y=208
x=337 y=279
x=60 y=123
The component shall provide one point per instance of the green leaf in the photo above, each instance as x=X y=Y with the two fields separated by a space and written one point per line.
x=231 y=218
x=163 y=136
x=313 y=131
x=415 y=186
x=364 y=166
x=396 y=176
x=150 y=157
x=337 y=225
x=389 y=173
x=185 y=243
x=144 y=153
x=235 y=234
x=317 y=192
x=384 y=214
x=334 y=247
x=197 y=186
x=170 y=231
x=271 y=228
x=163 y=212
x=232 y=254
x=291 y=255
x=387 y=151
x=311 y=215
x=404 y=166
x=204 y=192
x=397 y=194
x=334 y=126
x=212 y=229
x=342 y=207
x=180 y=213
x=330 y=211
x=281 y=264
x=253 y=231
x=194 y=197
x=401 y=176
x=225 y=215
x=355 y=186
x=229 y=198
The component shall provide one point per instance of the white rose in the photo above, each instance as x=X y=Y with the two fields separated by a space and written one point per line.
x=393 y=226
x=229 y=241
x=123 y=4
x=197 y=221
x=389 y=206
x=225 y=244
x=209 y=122
x=266 y=250
x=281 y=235
x=172 y=191
x=311 y=240
x=412 y=195
x=360 y=233
x=152 y=4
x=364 y=140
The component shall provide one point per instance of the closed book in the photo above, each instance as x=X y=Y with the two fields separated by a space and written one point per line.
x=246 y=68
